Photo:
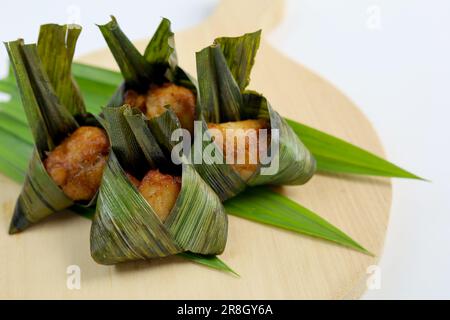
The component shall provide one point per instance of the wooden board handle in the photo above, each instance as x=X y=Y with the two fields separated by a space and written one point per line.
x=232 y=17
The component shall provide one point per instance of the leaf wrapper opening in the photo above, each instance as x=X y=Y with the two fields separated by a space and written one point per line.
x=157 y=65
x=223 y=74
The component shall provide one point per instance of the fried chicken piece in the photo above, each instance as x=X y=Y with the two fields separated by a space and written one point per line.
x=77 y=164
x=240 y=131
x=180 y=99
x=135 y=99
x=161 y=191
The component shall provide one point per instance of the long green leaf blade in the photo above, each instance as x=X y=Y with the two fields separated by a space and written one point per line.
x=265 y=206
x=14 y=150
x=103 y=77
x=337 y=156
x=14 y=127
x=11 y=171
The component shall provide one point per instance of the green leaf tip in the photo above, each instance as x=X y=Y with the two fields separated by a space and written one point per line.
x=335 y=155
x=240 y=53
x=209 y=261
x=111 y=24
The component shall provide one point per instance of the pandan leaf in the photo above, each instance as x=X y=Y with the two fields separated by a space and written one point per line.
x=12 y=171
x=160 y=50
x=221 y=100
x=16 y=128
x=149 y=146
x=197 y=222
x=14 y=156
x=296 y=163
x=262 y=205
x=127 y=228
x=56 y=48
x=123 y=142
x=157 y=65
x=134 y=68
x=50 y=123
x=209 y=261
x=337 y=156
x=220 y=95
x=224 y=180
x=240 y=54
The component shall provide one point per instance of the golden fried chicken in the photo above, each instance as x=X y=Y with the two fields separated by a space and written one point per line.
x=180 y=100
x=76 y=165
x=241 y=131
x=160 y=190
x=135 y=99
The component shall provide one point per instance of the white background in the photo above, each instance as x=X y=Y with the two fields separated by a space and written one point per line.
x=390 y=57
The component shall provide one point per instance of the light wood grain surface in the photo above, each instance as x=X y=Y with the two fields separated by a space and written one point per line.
x=273 y=264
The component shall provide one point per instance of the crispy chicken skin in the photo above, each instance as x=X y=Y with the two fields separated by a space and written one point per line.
x=77 y=164
x=160 y=190
x=180 y=99
x=246 y=169
x=135 y=99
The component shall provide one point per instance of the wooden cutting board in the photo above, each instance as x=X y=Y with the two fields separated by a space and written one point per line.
x=273 y=264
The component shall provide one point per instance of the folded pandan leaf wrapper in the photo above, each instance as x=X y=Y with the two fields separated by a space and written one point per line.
x=125 y=226
x=157 y=65
x=223 y=71
x=51 y=101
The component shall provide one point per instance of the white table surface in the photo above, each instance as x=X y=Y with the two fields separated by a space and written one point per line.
x=390 y=57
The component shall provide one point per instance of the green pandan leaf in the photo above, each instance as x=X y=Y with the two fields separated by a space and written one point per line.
x=56 y=47
x=209 y=261
x=337 y=156
x=134 y=67
x=262 y=205
x=240 y=54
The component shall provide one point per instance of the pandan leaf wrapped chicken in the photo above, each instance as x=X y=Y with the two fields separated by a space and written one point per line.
x=71 y=147
x=270 y=152
x=224 y=73
x=152 y=81
x=147 y=207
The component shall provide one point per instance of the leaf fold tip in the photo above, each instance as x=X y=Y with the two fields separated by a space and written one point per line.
x=18 y=222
